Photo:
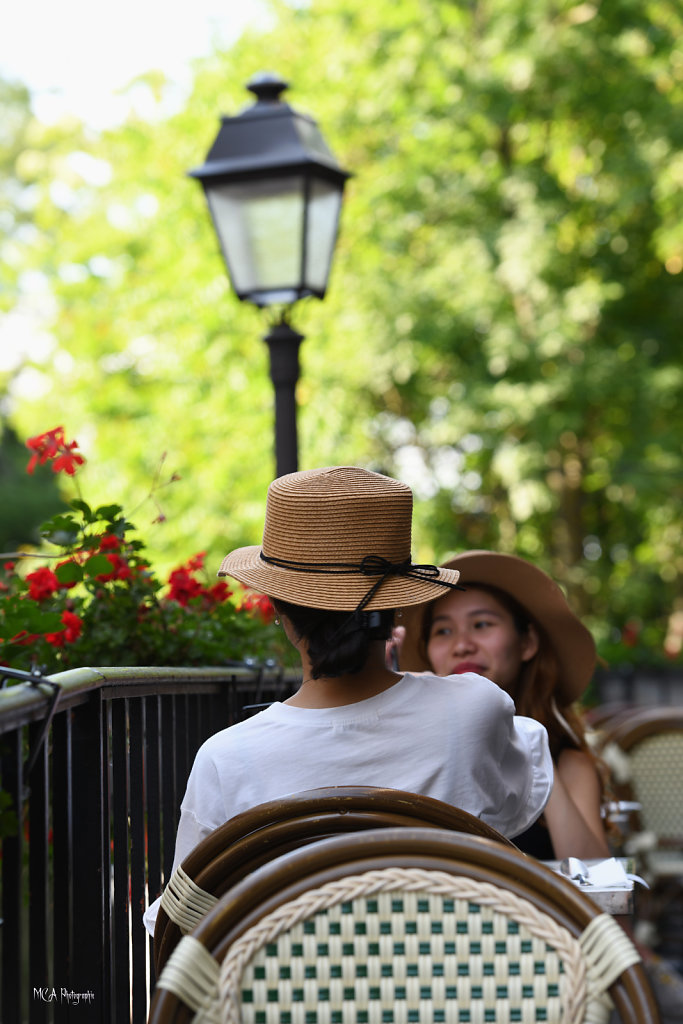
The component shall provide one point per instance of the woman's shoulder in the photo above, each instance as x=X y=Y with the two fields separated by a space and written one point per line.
x=236 y=733
x=463 y=680
x=576 y=766
x=465 y=690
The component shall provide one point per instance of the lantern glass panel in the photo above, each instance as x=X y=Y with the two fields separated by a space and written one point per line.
x=321 y=232
x=260 y=225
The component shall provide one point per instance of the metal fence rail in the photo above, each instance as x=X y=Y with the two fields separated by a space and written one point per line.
x=94 y=762
x=640 y=685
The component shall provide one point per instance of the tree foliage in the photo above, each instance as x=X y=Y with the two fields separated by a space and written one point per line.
x=501 y=328
x=23 y=507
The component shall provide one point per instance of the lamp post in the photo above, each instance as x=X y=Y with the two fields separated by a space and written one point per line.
x=274 y=191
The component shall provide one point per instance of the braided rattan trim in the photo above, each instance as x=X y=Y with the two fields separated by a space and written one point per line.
x=191 y=973
x=618 y=761
x=184 y=902
x=608 y=950
x=436 y=883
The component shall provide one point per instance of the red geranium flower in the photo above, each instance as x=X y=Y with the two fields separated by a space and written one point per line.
x=183 y=586
x=74 y=626
x=42 y=584
x=56 y=639
x=120 y=569
x=219 y=592
x=264 y=609
x=258 y=604
x=109 y=542
x=23 y=638
x=53 y=445
x=68 y=635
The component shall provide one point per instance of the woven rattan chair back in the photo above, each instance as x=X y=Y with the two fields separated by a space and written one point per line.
x=652 y=740
x=404 y=925
x=602 y=716
x=271 y=829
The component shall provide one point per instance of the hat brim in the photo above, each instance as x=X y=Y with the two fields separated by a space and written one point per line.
x=331 y=590
x=540 y=596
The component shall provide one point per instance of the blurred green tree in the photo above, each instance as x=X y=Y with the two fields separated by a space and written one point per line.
x=24 y=506
x=501 y=329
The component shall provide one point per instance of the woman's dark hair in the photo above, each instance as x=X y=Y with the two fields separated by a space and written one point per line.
x=338 y=643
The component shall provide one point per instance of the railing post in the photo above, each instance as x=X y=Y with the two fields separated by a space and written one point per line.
x=89 y=970
x=137 y=804
x=39 y=915
x=12 y=996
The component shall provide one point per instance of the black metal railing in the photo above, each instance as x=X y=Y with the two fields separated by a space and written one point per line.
x=639 y=685
x=94 y=764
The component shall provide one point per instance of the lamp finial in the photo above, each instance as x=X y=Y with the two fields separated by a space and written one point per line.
x=267 y=86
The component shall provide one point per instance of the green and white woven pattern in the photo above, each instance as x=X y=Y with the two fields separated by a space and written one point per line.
x=396 y=946
x=655 y=762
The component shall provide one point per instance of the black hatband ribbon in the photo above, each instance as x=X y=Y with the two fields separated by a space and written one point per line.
x=371 y=565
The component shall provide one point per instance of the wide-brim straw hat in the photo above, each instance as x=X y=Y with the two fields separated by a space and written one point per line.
x=329 y=538
x=539 y=595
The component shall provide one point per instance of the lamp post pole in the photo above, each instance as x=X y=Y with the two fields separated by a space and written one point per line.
x=283 y=343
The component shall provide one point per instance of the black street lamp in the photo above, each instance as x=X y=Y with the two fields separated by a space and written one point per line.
x=274 y=190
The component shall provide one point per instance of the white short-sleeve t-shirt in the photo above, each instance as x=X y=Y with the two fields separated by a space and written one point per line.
x=455 y=738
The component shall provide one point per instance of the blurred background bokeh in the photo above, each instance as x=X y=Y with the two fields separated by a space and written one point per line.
x=502 y=329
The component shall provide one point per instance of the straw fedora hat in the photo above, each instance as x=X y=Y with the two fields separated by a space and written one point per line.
x=539 y=595
x=338 y=538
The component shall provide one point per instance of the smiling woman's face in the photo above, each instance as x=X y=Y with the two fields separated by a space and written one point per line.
x=471 y=631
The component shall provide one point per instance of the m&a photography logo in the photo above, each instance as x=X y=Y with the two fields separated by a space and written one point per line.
x=52 y=994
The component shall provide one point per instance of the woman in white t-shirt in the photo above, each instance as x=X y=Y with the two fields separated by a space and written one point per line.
x=335 y=562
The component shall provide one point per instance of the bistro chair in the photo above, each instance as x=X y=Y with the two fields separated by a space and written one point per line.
x=646 y=748
x=270 y=829
x=404 y=925
x=619 y=807
x=601 y=716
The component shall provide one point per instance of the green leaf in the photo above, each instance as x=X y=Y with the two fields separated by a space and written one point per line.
x=82 y=506
x=31 y=618
x=64 y=523
x=108 y=512
x=69 y=572
x=97 y=565
x=9 y=822
x=61 y=530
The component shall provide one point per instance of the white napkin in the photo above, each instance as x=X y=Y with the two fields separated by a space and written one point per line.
x=610 y=873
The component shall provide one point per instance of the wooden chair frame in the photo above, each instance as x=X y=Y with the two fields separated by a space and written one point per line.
x=284 y=879
x=631 y=727
x=256 y=836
